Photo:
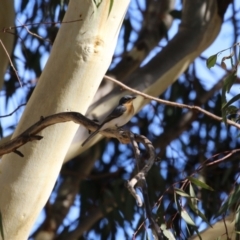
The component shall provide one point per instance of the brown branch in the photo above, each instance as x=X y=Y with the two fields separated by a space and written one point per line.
x=34 y=34
x=143 y=185
x=31 y=133
x=140 y=176
x=174 y=104
x=122 y=136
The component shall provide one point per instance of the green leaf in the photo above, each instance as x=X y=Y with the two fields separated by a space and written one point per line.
x=232 y=110
x=232 y=63
x=97 y=3
x=199 y=183
x=224 y=90
x=187 y=218
x=193 y=196
x=199 y=235
x=110 y=7
x=230 y=202
x=211 y=61
x=198 y=212
x=176 y=202
x=167 y=233
x=237 y=222
x=1 y=226
x=181 y=192
x=230 y=79
x=191 y=191
x=234 y=99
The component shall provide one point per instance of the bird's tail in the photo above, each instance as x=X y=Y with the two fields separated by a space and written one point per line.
x=90 y=137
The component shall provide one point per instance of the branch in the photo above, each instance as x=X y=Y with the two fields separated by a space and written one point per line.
x=10 y=114
x=31 y=133
x=143 y=185
x=121 y=135
x=174 y=104
x=11 y=63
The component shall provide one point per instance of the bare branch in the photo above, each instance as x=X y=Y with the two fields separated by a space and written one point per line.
x=174 y=104
x=11 y=63
x=8 y=29
x=142 y=184
x=141 y=175
x=30 y=133
x=10 y=114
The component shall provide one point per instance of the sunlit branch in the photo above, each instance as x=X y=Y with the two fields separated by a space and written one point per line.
x=174 y=104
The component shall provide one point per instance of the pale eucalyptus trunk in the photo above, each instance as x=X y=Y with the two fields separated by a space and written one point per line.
x=80 y=56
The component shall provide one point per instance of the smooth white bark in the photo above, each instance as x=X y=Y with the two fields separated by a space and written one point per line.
x=80 y=57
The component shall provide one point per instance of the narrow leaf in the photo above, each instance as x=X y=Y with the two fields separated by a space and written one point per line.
x=230 y=79
x=232 y=110
x=237 y=221
x=181 y=192
x=230 y=202
x=193 y=196
x=211 y=61
x=187 y=218
x=167 y=233
x=176 y=202
x=234 y=99
x=199 y=183
x=110 y=7
x=198 y=212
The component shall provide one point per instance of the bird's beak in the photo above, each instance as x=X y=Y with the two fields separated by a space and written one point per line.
x=133 y=97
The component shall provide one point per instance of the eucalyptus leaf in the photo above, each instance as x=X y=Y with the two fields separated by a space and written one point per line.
x=211 y=61
x=234 y=99
x=187 y=218
x=200 y=183
x=181 y=192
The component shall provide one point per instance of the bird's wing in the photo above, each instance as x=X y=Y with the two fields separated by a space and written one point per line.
x=90 y=137
x=117 y=112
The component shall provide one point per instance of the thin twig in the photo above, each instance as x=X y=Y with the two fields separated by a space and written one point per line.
x=10 y=114
x=39 y=23
x=11 y=63
x=174 y=104
x=34 y=34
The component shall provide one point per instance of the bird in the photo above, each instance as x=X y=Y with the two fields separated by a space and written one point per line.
x=118 y=117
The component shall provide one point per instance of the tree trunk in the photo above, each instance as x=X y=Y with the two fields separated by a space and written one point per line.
x=79 y=58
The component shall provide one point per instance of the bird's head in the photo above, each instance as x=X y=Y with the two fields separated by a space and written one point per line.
x=126 y=99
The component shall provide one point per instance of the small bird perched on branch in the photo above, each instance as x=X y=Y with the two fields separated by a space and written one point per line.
x=118 y=117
